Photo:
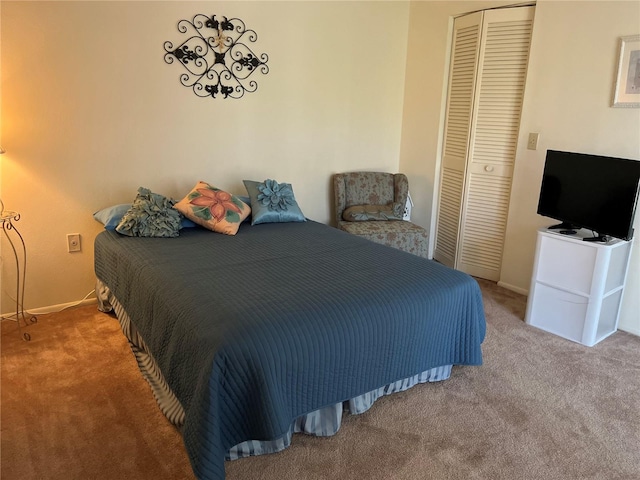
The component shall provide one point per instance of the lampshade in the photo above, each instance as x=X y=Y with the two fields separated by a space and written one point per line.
x=2 y=150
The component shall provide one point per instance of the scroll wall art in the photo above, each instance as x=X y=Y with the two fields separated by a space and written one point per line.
x=216 y=57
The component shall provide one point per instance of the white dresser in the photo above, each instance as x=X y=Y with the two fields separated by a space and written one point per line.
x=577 y=286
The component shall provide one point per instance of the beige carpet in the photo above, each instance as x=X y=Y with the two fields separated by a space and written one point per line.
x=74 y=406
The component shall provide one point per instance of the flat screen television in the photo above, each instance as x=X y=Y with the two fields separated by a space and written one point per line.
x=594 y=192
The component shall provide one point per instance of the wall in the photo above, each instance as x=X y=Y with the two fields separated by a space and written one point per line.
x=567 y=100
x=91 y=112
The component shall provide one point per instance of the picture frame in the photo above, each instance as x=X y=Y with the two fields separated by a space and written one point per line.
x=627 y=86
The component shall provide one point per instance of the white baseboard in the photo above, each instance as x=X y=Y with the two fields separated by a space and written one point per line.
x=513 y=288
x=63 y=306
x=633 y=331
x=53 y=308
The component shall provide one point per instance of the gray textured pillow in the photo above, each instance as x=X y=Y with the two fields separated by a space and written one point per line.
x=363 y=213
x=150 y=215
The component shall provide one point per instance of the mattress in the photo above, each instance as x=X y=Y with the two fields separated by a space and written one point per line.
x=255 y=330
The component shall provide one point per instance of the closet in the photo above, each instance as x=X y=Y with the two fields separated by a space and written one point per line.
x=489 y=60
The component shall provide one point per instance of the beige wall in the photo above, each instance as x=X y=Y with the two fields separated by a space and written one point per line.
x=91 y=111
x=567 y=100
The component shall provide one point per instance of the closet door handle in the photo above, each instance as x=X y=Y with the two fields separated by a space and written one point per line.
x=488 y=168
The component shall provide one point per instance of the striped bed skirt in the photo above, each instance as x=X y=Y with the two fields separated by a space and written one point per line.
x=323 y=422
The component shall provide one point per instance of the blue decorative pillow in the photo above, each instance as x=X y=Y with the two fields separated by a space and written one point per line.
x=186 y=223
x=110 y=217
x=150 y=215
x=272 y=202
x=245 y=199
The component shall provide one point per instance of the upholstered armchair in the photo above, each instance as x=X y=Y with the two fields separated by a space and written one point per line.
x=371 y=205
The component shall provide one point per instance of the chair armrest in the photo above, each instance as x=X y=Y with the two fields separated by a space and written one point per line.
x=401 y=189
x=340 y=196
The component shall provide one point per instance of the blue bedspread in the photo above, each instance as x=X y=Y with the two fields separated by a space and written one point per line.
x=254 y=330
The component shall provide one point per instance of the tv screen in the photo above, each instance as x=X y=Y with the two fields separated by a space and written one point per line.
x=590 y=191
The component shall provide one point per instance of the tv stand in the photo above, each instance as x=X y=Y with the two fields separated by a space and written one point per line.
x=576 y=286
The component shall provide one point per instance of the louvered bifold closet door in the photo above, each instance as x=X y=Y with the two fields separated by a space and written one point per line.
x=462 y=79
x=504 y=55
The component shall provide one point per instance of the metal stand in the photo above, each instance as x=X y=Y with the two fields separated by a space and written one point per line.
x=8 y=229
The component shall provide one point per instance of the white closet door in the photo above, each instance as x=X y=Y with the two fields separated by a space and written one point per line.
x=462 y=80
x=504 y=56
x=486 y=85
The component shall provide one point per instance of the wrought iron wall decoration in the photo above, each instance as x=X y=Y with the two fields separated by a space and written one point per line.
x=216 y=57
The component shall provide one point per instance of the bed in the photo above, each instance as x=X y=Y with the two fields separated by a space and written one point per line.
x=246 y=339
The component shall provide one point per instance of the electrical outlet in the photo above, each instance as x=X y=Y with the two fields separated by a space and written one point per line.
x=532 y=144
x=73 y=242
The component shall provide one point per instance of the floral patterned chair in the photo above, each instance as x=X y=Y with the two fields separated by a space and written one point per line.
x=371 y=205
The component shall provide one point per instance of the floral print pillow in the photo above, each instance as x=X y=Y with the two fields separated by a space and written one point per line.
x=273 y=202
x=214 y=209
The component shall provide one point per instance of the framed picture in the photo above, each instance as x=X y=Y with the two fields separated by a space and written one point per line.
x=627 y=87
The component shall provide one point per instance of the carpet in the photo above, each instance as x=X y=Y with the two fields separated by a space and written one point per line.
x=74 y=405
